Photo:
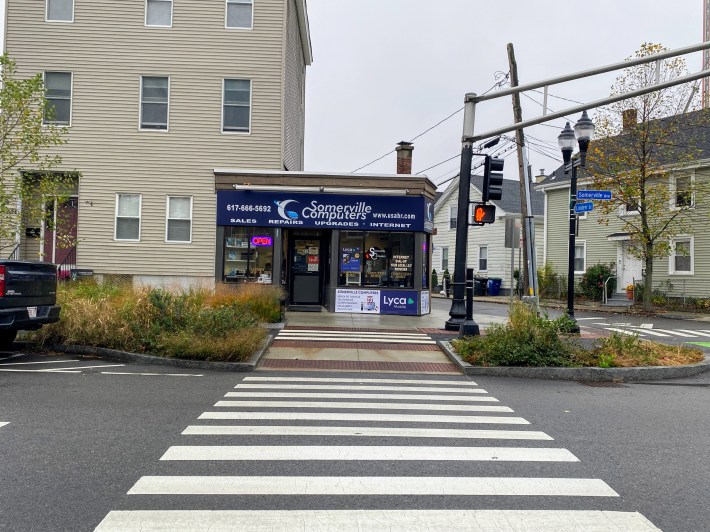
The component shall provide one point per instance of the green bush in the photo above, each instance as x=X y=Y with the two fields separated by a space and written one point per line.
x=592 y=283
x=528 y=339
x=195 y=323
x=550 y=283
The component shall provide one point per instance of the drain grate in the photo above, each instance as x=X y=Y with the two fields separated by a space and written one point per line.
x=602 y=384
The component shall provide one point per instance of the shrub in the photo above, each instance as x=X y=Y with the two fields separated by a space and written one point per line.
x=193 y=323
x=592 y=283
x=548 y=282
x=528 y=339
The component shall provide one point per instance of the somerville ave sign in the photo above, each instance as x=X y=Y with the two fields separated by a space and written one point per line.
x=594 y=195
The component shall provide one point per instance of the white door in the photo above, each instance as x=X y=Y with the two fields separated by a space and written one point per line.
x=629 y=268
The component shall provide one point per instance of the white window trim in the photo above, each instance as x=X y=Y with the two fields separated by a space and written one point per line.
x=251 y=107
x=251 y=23
x=671 y=258
x=624 y=212
x=172 y=7
x=53 y=21
x=140 y=105
x=167 y=219
x=478 y=262
x=442 y=259
x=140 y=217
x=672 y=189
x=451 y=207
x=584 y=256
x=71 y=96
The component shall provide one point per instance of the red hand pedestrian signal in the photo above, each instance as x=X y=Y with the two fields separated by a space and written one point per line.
x=484 y=214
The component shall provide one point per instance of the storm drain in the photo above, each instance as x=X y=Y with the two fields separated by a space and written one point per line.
x=602 y=384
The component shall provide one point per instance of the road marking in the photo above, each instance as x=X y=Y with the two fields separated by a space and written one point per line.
x=389 y=432
x=363 y=334
x=365 y=453
x=85 y=367
x=353 y=388
x=42 y=362
x=277 y=485
x=3 y=423
x=38 y=371
x=653 y=332
x=336 y=395
x=698 y=333
x=364 y=406
x=151 y=374
x=582 y=319
x=356 y=339
x=675 y=332
x=359 y=520
x=384 y=418
x=12 y=356
x=646 y=326
x=355 y=381
x=624 y=331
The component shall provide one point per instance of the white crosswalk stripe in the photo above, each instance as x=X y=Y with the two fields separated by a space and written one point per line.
x=3 y=423
x=319 y=409
x=389 y=337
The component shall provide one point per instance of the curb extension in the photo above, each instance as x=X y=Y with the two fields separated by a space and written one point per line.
x=647 y=373
x=126 y=356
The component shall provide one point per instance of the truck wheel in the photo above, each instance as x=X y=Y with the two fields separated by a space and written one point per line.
x=6 y=339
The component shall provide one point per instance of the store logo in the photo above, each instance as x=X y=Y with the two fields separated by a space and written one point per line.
x=397 y=301
x=428 y=211
x=286 y=215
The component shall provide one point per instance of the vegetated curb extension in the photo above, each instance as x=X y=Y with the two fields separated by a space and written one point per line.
x=640 y=373
x=139 y=358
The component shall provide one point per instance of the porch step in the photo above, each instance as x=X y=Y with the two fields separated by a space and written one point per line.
x=618 y=300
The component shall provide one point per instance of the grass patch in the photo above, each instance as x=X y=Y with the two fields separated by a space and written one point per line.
x=196 y=323
x=528 y=339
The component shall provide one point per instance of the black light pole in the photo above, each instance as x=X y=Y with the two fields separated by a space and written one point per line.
x=458 y=304
x=583 y=130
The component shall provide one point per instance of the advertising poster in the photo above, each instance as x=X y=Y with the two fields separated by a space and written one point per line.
x=350 y=259
x=425 y=302
x=401 y=302
x=360 y=301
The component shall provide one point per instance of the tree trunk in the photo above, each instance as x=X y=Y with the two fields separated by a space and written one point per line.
x=648 y=283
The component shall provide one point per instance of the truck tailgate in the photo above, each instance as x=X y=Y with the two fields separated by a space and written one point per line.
x=28 y=284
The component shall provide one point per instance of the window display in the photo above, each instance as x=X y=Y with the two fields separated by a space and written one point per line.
x=248 y=254
x=376 y=259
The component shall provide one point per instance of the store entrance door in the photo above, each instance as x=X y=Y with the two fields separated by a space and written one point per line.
x=307 y=256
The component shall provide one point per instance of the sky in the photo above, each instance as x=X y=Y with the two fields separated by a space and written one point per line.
x=387 y=70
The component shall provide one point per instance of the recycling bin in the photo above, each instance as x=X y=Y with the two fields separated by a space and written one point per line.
x=494 y=286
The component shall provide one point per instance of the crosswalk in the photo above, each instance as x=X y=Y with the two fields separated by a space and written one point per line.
x=327 y=453
x=647 y=330
x=352 y=336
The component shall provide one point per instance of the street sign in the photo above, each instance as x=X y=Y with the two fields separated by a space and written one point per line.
x=584 y=206
x=594 y=195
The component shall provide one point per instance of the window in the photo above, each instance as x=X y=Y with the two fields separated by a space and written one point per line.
x=351 y=258
x=60 y=11
x=240 y=14
x=580 y=257
x=444 y=259
x=236 y=115
x=128 y=217
x=682 y=259
x=57 y=86
x=453 y=214
x=683 y=192
x=401 y=263
x=155 y=93
x=179 y=219
x=483 y=258
x=159 y=13
x=248 y=254
x=425 y=262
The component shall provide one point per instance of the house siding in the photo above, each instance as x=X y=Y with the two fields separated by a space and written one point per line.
x=108 y=48
x=295 y=84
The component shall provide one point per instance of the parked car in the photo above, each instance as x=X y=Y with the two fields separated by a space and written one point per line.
x=28 y=297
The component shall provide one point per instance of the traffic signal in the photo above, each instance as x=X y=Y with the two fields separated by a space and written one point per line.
x=492 y=179
x=484 y=214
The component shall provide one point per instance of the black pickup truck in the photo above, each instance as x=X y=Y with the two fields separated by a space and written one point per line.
x=28 y=297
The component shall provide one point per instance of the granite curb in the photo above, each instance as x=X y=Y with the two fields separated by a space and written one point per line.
x=649 y=373
x=126 y=356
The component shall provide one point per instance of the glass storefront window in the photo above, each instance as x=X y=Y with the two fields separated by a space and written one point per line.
x=401 y=265
x=425 y=262
x=350 y=258
x=376 y=259
x=248 y=254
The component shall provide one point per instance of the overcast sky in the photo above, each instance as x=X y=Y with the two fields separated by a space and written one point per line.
x=387 y=70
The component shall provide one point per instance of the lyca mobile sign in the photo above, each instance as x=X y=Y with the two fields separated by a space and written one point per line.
x=334 y=211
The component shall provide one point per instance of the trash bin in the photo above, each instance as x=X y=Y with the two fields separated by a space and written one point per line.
x=479 y=286
x=494 y=286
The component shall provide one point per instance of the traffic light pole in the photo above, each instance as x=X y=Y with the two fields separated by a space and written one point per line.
x=458 y=304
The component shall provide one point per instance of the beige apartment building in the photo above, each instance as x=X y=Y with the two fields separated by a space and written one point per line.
x=156 y=94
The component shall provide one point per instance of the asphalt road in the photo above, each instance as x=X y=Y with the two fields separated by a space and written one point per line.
x=75 y=443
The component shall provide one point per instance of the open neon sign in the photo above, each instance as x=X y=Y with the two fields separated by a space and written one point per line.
x=261 y=241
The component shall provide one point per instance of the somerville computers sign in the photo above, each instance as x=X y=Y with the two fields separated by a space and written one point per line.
x=324 y=211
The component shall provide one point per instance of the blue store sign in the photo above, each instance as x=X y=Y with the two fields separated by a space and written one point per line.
x=398 y=302
x=324 y=211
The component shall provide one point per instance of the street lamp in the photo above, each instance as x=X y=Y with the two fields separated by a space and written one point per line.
x=583 y=130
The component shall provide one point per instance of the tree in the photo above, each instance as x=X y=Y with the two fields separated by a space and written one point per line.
x=27 y=178
x=646 y=164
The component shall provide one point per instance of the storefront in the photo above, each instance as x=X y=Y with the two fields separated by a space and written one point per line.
x=362 y=249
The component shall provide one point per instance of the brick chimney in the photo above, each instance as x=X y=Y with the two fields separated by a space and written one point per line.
x=541 y=176
x=629 y=119
x=404 y=157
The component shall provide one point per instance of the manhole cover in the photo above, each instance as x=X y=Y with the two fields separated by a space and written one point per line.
x=602 y=384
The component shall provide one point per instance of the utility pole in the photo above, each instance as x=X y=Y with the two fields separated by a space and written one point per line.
x=526 y=216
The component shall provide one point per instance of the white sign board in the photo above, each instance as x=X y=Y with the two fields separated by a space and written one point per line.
x=425 y=302
x=360 y=301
